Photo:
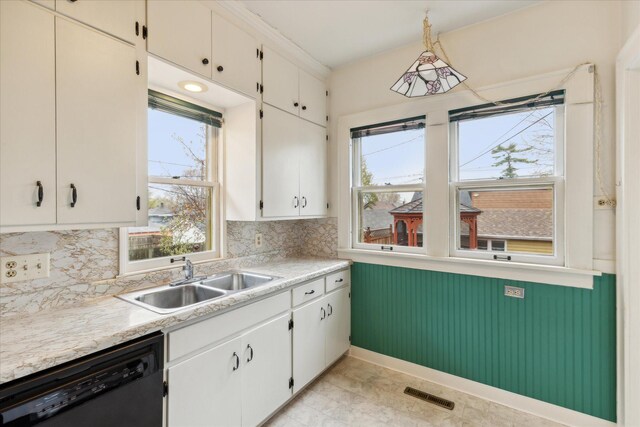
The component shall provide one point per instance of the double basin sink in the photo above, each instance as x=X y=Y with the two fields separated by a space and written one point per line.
x=174 y=297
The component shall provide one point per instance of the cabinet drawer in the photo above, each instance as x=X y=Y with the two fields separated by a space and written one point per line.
x=339 y=279
x=188 y=339
x=308 y=292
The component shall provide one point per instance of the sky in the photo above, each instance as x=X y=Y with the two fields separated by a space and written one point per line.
x=398 y=158
x=167 y=157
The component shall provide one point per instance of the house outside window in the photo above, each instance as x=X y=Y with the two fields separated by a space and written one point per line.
x=388 y=185
x=183 y=186
x=507 y=180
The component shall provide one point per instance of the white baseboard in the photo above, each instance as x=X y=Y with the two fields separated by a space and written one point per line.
x=503 y=397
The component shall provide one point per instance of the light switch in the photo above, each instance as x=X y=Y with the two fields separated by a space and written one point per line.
x=24 y=267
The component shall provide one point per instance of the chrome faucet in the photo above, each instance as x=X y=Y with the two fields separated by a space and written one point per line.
x=188 y=269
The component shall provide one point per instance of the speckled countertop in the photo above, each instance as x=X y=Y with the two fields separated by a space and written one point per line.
x=35 y=342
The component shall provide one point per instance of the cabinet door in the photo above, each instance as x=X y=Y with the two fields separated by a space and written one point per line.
x=280 y=80
x=234 y=58
x=280 y=164
x=115 y=17
x=313 y=169
x=205 y=390
x=180 y=31
x=309 y=323
x=96 y=126
x=338 y=305
x=266 y=370
x=313 y=99
x=27 y=114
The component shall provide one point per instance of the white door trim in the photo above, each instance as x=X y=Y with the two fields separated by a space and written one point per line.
x=628 y=229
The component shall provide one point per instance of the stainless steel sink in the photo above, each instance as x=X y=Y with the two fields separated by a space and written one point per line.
x=168 y=299
x=236 y=280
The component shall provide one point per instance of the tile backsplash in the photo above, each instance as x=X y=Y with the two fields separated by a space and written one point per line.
x=84 y=263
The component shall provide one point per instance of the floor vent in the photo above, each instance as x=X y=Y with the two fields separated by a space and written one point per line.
x=439 y=401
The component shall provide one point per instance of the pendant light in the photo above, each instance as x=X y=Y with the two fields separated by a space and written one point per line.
x=428 y=75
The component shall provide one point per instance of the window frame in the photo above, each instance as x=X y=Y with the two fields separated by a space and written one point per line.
x=578 y=269
x=555 y=182
x=213 y=135
x=355 y=145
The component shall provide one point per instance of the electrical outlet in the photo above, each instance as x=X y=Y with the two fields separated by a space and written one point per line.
x=601 y=202
x=514 y=292
x=258 y=240
x=24 y=267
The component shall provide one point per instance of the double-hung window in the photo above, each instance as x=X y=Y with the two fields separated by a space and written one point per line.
x=388 y=185
x=183 y=189
x=507 y=180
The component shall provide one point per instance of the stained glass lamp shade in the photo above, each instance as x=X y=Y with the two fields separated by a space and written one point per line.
x=429 y=75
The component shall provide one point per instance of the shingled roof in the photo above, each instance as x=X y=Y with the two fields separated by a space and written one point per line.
x=515 y=223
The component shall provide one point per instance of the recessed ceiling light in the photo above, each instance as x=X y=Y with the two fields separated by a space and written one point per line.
x=193 y=86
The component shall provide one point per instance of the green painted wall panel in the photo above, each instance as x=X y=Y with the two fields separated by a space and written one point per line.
x=557 y=345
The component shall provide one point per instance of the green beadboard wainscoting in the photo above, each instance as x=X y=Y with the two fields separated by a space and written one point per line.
x=558 y=344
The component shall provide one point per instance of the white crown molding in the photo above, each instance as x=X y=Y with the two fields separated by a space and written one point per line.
x=273 y=37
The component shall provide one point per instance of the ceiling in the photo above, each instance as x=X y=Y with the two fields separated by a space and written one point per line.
x=336 y=32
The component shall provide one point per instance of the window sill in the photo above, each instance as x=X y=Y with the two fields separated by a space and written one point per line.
x=550 y=275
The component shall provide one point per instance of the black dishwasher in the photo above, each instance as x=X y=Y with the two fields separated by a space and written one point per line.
x=121 y=386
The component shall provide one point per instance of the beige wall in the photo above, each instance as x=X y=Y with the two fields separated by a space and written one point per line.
x=547 y=37
x=630 y=17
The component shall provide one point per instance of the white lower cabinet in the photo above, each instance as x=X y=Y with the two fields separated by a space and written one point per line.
x=245 y=378
x=308 y=342
x=320 y=335
x=338 y=327
x=205 y=390
x=266 y=369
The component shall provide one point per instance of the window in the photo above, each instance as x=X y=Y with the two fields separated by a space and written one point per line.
x=507 y=180
x=388 y=185
x=183 y=186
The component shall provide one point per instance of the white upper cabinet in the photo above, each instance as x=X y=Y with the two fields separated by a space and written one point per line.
x=280 y=82
x=235 y=57
x=291 y=89
x=180 y=31
x=115 y=17
x=313 y=99
x=96 y=126
x=280 y=164
x=294 y=162
x=313 y=169
x=27 y=115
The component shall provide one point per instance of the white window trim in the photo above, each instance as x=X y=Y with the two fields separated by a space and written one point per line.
x=577 y=269
x=556 y=182
x=214 y=156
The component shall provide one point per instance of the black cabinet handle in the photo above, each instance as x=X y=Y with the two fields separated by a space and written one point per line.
x=296 y=203
x=251 y=354
x=324 y=313
x=74 y=195
x=235 y=368
x=304 y=107
x=295 y=104
x=220 y=68
x=40 y=194
x=312 y=291
x=304 y=202
x=205 y=61
x=138 y=203
x=72 y=1
x=330 y=309
x=339 y=280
